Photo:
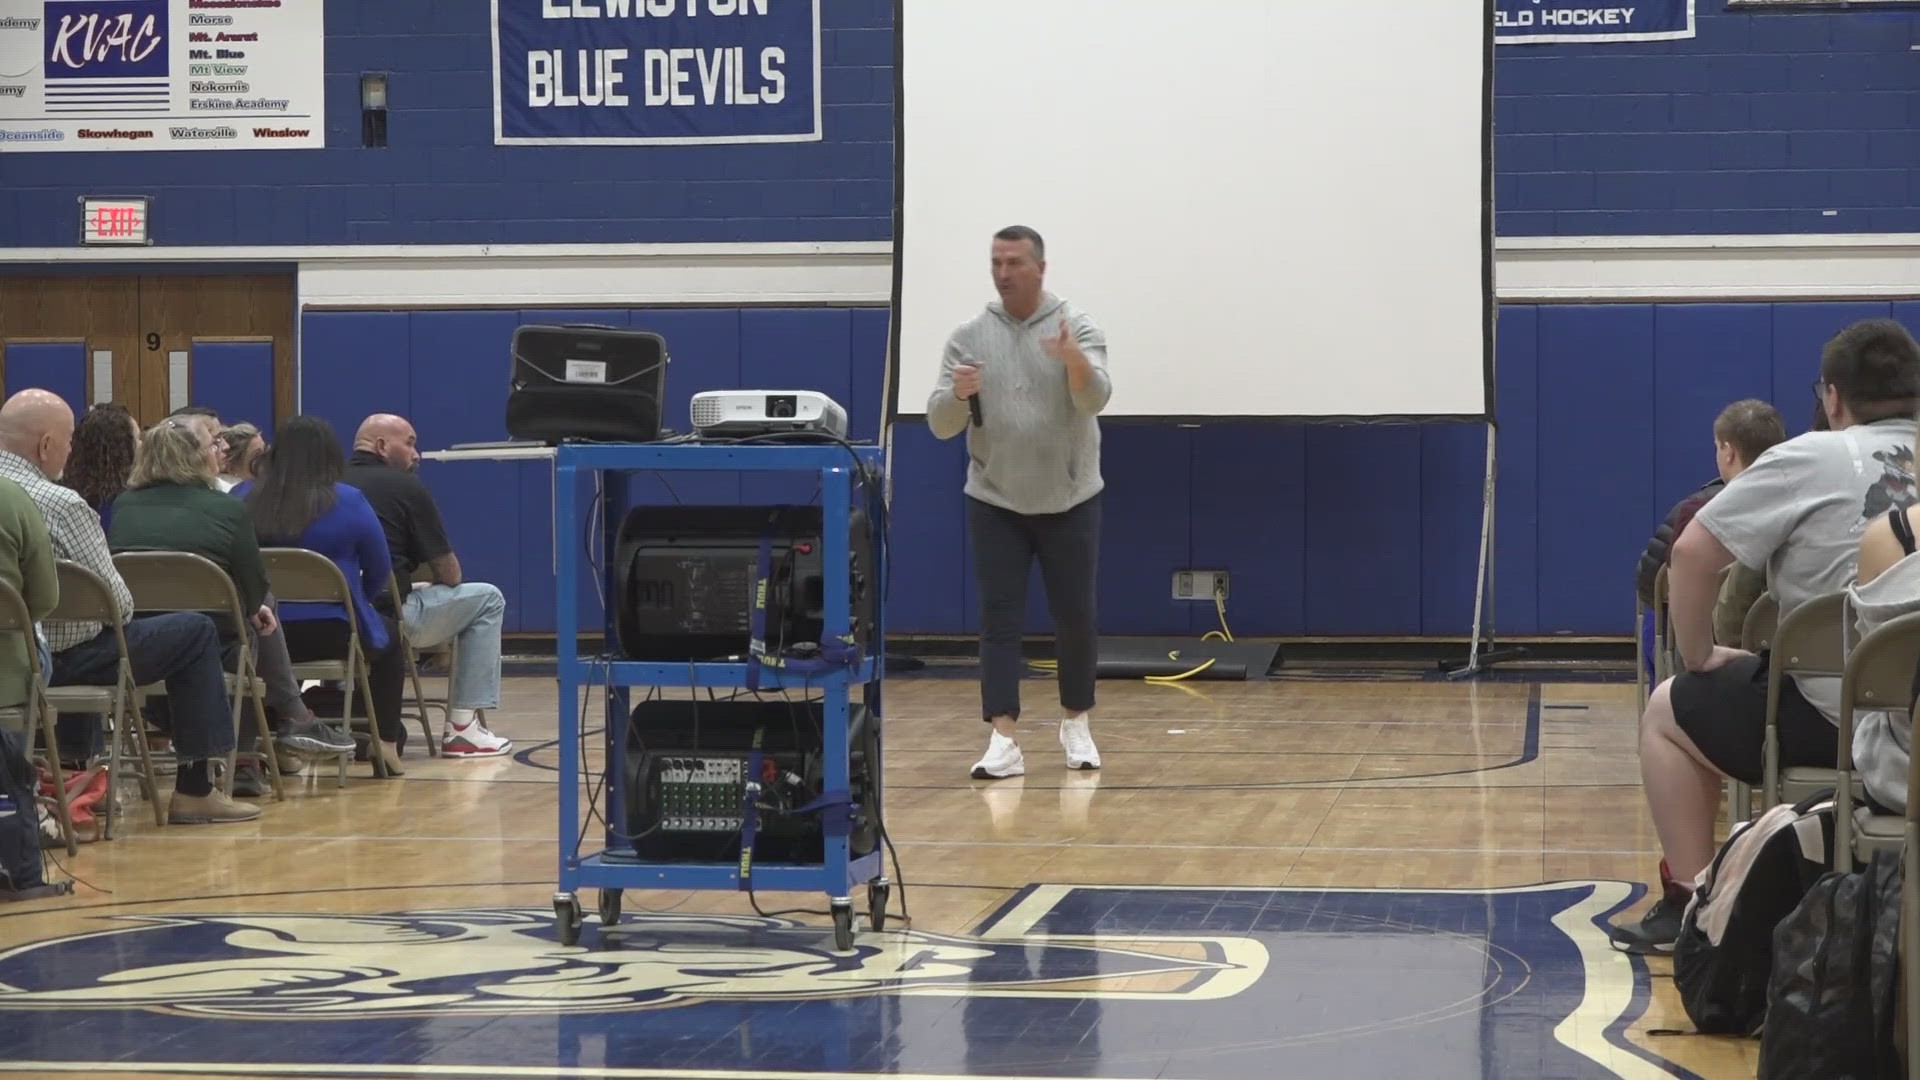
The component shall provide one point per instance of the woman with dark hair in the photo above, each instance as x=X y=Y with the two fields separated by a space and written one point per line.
x=106 y=443
x=298 y=501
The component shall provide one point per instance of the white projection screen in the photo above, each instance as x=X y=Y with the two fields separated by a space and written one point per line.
x=1272 y=209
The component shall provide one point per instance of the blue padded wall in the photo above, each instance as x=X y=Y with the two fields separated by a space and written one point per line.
x=234 y=378
x=1606 y=415
x=59 y=366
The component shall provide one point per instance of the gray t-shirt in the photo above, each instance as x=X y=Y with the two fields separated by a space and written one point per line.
x=1798 y=513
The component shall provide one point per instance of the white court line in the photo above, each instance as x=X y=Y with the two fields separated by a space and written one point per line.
x=170 y=837
x=276 y=1069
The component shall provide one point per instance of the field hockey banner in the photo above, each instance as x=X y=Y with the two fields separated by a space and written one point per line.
x=1543 y=22
x=655 y=72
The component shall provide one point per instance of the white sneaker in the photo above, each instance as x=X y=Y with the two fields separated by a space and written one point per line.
x=1078 y=742
x=473 y=741
x=1003 y=760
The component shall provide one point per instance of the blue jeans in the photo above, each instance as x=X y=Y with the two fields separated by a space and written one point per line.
x=470 y=615
x=181 y=649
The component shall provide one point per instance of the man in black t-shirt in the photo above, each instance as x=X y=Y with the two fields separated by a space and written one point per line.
x=469 y=613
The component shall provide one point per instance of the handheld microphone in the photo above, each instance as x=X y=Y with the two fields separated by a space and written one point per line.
x=973 y=403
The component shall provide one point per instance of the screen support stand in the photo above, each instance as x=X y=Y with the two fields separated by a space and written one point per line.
x=1483 y=654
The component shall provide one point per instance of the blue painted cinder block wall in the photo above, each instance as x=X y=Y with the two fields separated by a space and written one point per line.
x=442 y=181
x=1763 y=123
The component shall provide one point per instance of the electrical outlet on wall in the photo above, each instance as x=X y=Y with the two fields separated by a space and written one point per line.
x=1199 y=584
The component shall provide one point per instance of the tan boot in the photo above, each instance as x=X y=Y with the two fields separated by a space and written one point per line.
x=390 y=757
x=213 y=809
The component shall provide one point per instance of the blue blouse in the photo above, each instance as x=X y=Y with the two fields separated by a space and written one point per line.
x=350 y=535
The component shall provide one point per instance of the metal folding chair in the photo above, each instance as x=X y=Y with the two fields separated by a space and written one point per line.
x=33 y=715
x=422 y=704
x=1810 y=640
x=1910 y=917
x=167 y=581
x=86 y=598
x=1763 y=622
x=1664 y=663
x=299 y=576
x=1879 y=679
x=1756 y=636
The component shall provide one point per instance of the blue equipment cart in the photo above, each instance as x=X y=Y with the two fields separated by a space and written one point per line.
x=842 y=480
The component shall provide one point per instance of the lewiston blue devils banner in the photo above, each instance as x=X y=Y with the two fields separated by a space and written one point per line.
x=655 y=72
x=1525 y=22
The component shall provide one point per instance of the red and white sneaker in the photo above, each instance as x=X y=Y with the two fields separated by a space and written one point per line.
x=473 y=741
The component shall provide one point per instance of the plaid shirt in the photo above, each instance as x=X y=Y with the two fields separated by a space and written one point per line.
x=77 y=537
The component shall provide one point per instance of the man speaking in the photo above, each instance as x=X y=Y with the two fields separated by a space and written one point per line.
x=1025 y=380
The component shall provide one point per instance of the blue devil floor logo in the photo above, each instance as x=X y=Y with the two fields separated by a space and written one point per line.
x=1133 y=981
x=498 y=961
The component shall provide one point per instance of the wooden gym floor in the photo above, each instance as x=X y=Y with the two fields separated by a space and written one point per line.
x=1349 y=874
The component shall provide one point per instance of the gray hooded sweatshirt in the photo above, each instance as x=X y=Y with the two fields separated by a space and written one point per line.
x=1881 y=740
x=1037 y=449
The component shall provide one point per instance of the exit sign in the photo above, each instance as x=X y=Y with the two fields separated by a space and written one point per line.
x=113 y=221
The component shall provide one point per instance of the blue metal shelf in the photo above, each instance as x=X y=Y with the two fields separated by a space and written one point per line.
x=717 y=675
x=597 y=871
x=836 y=465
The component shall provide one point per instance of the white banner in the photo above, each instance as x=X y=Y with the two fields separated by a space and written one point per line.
x=80 y=75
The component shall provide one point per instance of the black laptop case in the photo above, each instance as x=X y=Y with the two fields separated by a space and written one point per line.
x=595 y=383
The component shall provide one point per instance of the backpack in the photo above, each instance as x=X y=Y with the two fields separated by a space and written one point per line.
x=1830 y=1009
x=22 y=873
x=1723 y=958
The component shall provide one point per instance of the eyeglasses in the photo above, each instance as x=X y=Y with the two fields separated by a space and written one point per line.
x=1820 y=388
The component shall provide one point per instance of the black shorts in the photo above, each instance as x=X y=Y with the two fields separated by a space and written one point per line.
x=1724 y=712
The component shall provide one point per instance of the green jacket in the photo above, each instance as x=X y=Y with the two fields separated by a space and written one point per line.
x=26 y=564
x=1741 y=589
x=198 y=520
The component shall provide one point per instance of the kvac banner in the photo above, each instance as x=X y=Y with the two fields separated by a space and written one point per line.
x=660 y=72
x=1524 y=22
x=162 y=75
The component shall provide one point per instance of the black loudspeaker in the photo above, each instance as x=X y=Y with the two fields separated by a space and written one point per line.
x=586 y=382
x=684 y=580
x=687 y=767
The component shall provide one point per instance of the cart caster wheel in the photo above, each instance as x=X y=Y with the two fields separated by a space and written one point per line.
x=879 y=890
x=843 y=925
x=566 y=916
x=609 y=907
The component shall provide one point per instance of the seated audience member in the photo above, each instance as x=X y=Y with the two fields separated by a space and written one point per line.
x=1797 y=513
x=172 y=505
x=1887 y=586
x=182 y=649
x=1743 y=431
x=470 y=613
x=105 y=444
x=300 y=501
x=241 y=446
x=26 y=563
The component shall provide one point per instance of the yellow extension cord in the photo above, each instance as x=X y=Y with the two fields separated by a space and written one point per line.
x=1222 y=634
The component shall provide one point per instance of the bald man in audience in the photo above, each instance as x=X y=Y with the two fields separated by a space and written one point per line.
x=182 y=649
x=469 y=613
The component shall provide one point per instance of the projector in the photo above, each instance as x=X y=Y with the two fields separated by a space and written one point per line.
x=767 y=412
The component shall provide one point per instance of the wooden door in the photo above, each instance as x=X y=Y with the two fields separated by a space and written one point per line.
x=191 y=312
x=132 y=338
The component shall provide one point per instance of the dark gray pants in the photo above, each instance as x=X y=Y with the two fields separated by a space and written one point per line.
x=1005 y=545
